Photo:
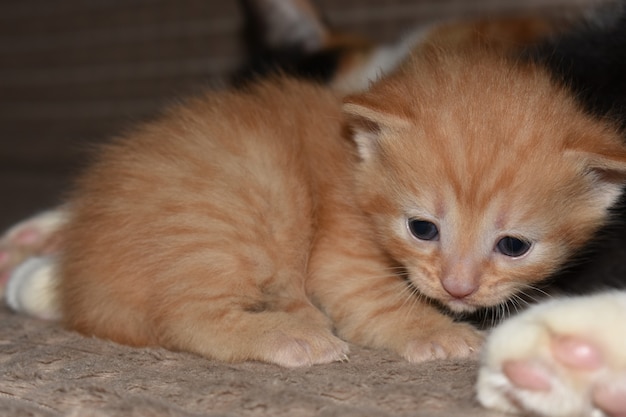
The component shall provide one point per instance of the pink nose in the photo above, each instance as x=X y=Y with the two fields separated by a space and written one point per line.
x=458 y=287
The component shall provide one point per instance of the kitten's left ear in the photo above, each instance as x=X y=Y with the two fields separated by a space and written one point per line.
x=613 y=162
x=607 y=161
x=607 y=157
x=369 y=123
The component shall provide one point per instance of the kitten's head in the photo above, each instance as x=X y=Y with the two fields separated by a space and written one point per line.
x=481 y=176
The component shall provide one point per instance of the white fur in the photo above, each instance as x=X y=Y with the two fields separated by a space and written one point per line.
x=31 y=288
x=381 y=61
x=599 y=319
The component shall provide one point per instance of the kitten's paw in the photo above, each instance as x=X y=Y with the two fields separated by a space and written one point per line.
x=32 y=290
x=35 y=236
x=562 y=358
x=305 y=347
x=278 y=337
x=456 y=340
x=610 y=396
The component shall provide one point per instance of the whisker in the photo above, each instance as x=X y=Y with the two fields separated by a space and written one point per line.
x=410 y=295
x=534 y=288
x=415 y=297
x=504 y=312
x=489 y=316
x=517 y=302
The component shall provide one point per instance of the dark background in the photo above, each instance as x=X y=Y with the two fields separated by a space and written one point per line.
x=74 y=72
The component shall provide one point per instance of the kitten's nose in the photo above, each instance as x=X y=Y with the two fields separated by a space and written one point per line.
x=460 y=277
x=458 y=287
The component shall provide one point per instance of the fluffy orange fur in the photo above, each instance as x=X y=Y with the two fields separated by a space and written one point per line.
x=271 y=224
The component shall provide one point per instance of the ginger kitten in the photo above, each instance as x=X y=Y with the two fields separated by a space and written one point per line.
x=246 y=226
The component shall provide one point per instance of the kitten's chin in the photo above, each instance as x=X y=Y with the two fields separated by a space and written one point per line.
x=460 y=306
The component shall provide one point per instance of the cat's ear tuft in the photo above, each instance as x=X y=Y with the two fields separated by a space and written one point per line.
x=613 y=163
x=604 y=156
x=369 y=124
x=606 y=160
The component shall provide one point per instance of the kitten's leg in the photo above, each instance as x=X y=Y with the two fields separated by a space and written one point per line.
x=288 y=332
x=562 y=358
x=372 y=306
x=27 y=262
x=224 y=283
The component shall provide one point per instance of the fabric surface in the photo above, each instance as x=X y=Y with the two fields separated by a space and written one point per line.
x=46 y=372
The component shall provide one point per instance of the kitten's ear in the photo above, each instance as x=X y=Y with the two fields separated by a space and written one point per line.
x=606 y=155
x=369 y=123
x=607 y=161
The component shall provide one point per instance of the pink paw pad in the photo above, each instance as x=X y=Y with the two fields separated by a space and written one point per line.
x=611 y=398
x=5 y=269
x=27 y=237
x=576 y=353
x=527 y=375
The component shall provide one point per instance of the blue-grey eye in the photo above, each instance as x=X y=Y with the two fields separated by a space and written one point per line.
x=513 y=246
x=423 y=230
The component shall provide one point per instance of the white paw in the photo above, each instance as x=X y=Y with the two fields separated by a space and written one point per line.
x=562 y=358
x=36 y=236
x=32 y=288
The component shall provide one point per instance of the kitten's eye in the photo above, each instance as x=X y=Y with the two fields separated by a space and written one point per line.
x=512 y=246
x=423 y=229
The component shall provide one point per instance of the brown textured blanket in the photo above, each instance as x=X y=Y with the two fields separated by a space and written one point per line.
x=47 y=371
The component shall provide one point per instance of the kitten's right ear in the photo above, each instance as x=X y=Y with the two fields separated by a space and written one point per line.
x=369 y=124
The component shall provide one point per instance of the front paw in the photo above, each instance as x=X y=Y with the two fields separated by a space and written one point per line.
x=562 y=358
x=305 y=347
x=450 y=340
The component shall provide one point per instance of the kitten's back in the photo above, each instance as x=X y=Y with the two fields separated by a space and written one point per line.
x=215 y=196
